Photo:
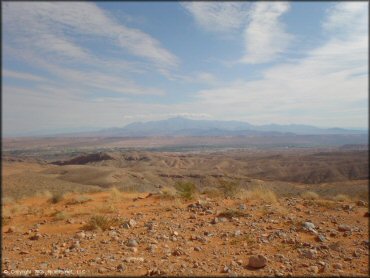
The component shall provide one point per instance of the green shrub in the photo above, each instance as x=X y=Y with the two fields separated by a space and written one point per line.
x=229 y=189
x=185 y=189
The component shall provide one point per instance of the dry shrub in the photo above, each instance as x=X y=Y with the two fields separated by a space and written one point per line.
x=79 y=200
x=186 y=189
x=115 y=194
x=7 y=201
x=229 y=189
x=168 y=193
x=56 y=197
x=107 y=209
x=310 y=195
x=329 y=204
x=342 y=198
x=5 y=221
x=212 y=192
x=259 y=193
x=230 y=213
x=60 y=215
x=45 y=194
x=101 y=222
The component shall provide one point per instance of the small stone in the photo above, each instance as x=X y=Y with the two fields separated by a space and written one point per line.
x=242 y=207
x=320 y=238
x=215 y=220
x=132 y=223
x=237 y=233
x=258 y=261
x=313 y=269
x=36 y=236
x=121 y=267
x=308 y=226
x=308 y=253
x=225 y=270
x=81 y=235
x=198 y=248
x=101 y=270
x=24 y=252
x=337 y=266
x=132 y=243
x=11 y=229
x=344 y=228
x=361 y=203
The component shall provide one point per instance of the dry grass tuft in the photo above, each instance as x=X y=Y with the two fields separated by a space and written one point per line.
x=230 y=213
x=310 y=195
x=60 y=215
x=56 y=197
x=115 y=194
x=101 y=222
x=342 y=198
x=7 y=201
x=262 y=194
x=212 y=192
x=79 y=200
x=329 y=204
x=168 y=193
x=107 y=208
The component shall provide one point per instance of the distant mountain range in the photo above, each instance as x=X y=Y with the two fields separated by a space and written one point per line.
x=179 y=126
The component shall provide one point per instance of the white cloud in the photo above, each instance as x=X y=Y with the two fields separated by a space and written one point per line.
x=265 y=36
x=218 y=16
x=326 y=87
x=22 y=75
x=47 y=27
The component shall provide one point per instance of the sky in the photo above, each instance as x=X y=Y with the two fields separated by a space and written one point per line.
x=76 y=66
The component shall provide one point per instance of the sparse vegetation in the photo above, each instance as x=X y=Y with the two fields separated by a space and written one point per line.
x=329 y=204
x=107 y=208
x=56 y=197
x=101 y=222
x=79 y=200
x=115 y=194
x=60 y=215
x=7 y=201
x=229 y=189
x=212 y=192
x=186 y=189
x=342 y=198
x=246 y=238
x=310 y=195
x=168 y=193
x=230 y=213
x=259 y=193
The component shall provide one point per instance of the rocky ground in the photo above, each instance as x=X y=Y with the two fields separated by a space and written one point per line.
x=151 y=235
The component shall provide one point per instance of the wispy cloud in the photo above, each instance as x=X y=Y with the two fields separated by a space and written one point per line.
x=265 y=37
x=218 y=16
x=22 y=75
x=48 y=26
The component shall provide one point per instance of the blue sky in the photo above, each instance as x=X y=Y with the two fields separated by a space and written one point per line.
x=85 y=65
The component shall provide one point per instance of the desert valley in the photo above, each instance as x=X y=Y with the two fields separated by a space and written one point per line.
x=111 y=206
